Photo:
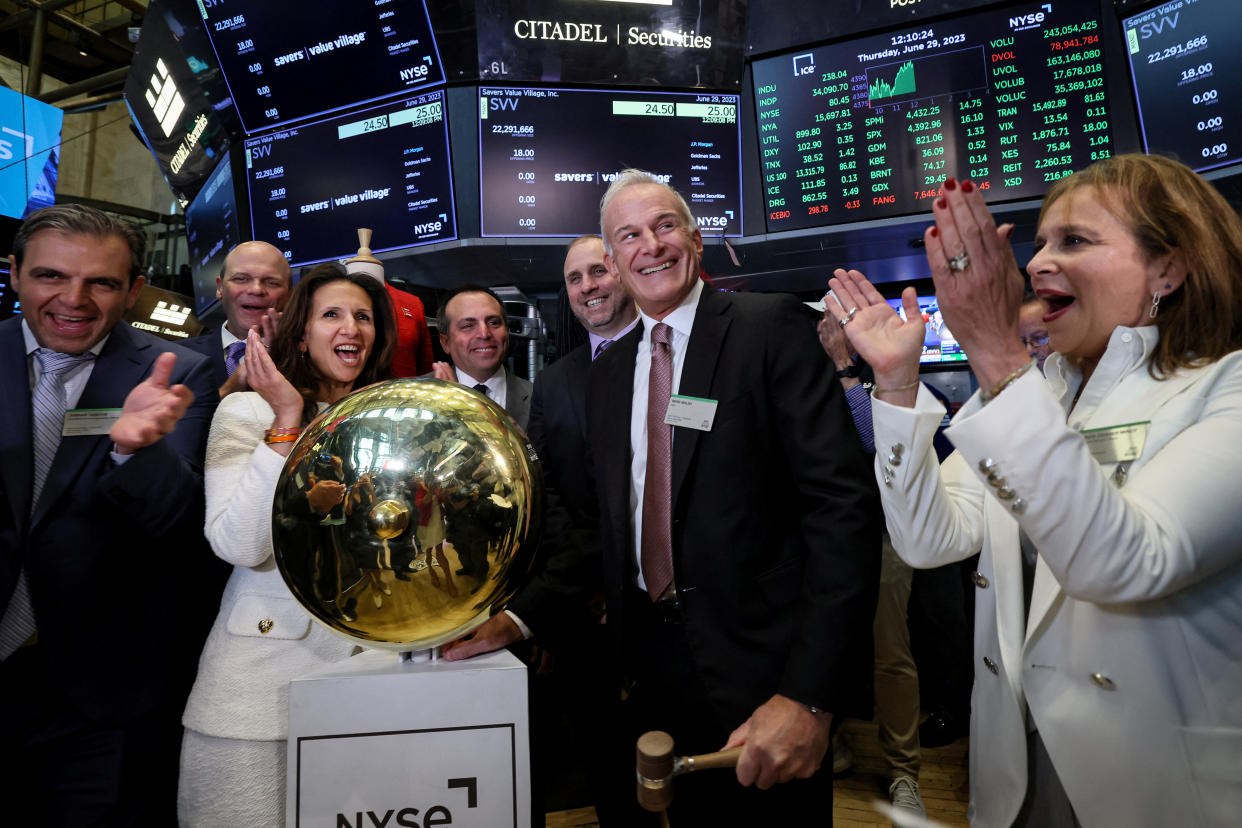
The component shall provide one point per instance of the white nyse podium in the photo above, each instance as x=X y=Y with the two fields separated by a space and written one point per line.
x=377 y=742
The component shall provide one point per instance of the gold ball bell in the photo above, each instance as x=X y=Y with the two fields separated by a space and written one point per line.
x=406 y=513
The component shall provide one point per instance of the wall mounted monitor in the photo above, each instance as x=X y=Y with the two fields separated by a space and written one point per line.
x=285 y=61
x=9 y=306
x=678 y=43
x=939 y=345
x=546 y=156
x=29 y=153
x=212 y=229
x=1012 y=98
x=310 y=187
x=176 y=97
x=1184 y=58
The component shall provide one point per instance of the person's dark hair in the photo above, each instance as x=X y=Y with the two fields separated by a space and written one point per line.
x=298 y=368
x=1169 y=208
x=442 y=320
x=82 y=220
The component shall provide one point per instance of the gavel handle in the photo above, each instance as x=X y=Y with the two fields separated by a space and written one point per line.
x=708 y=761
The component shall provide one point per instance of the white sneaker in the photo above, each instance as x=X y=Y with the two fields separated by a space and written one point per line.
x=904 y=794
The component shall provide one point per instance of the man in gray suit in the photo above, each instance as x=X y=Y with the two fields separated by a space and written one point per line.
x=475 y=335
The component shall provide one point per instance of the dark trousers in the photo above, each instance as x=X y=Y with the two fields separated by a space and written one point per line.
x=668 y=694
x=65 y=770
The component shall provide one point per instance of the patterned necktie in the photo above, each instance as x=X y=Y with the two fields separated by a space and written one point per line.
x=657 y=533
x=234 y=356
x=600 y=348
x=482 y=389
x=47 y=408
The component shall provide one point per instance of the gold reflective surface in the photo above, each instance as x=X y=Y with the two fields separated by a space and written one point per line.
x=406 y=512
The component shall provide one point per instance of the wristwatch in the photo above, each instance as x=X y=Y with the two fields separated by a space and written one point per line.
x=849 y=371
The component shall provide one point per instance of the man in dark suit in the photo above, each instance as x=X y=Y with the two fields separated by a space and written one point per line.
x=741 y=561
x=474 y=334
x=101 y=443
x=252 y=288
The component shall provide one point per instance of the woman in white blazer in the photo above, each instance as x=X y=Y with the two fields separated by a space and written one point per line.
x=336 y=334
x=1106 y=500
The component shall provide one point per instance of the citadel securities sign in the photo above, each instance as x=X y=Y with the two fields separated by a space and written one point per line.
x=686 y=43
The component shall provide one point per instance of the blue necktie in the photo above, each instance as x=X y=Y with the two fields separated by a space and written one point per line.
x=234 y=356
x=47 y=408
x=600 y=348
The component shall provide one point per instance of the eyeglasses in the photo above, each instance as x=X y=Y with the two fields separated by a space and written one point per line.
x=1038 y=340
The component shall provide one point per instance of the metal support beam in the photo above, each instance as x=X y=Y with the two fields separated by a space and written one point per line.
x=88 y=85
x=35 y=78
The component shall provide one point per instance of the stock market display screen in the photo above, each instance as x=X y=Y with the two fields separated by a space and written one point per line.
x=546 y=156
x=1010 y=98
x=212 y=229
x=285 y=60
x=1184 y=57
x=386 y=168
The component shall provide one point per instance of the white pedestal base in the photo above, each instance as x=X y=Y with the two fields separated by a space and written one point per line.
x=376 y=742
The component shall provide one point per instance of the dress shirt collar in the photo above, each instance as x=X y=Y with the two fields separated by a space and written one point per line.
x=596 y=338
x=227 y=338
x=496 y=384
x=681 y=318
x=1127 y=349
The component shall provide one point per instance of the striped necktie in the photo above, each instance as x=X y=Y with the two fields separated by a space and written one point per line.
x=47 y=408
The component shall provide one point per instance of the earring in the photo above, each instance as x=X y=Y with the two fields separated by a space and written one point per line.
x=1155 y=305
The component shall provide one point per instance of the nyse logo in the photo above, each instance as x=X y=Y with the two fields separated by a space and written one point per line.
x=1022 y=22
x=712 y=222
x=172 y=314
x=414 y=73
x=892 y=4
x=165 y=101
x=803 y=64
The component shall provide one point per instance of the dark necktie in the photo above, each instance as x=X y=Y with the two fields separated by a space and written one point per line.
x=600 y=348
x=234 y=356
x=47 y=408
x=482 y=389
x=657 y=533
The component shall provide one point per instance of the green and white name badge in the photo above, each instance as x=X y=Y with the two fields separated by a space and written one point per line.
x=690 y=412
x=1116 y=444
x=89 y=422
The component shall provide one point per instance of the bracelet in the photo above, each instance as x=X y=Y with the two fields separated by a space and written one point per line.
x=1006 y=382
x=281 y=435
x=878 y=390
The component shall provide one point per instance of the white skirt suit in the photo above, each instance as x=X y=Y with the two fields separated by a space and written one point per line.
x=1130 y=662
x=232 y=764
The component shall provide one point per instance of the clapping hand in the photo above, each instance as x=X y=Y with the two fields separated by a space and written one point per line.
x=890 y=345
x=151 y=409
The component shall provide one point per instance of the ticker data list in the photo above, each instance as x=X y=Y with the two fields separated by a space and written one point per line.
x=1012 y=99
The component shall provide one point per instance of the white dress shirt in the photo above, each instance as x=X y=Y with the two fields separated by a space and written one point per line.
x=497 y=385
x=681 y=320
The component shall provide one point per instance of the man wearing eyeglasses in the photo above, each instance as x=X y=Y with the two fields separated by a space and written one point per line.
x=1031 y=328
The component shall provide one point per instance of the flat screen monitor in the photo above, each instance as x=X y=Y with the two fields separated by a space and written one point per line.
x=212 y=229
x=176 y=97
x=939 y=345
x=285 y=61
x=387 y=168
x=1012 y=98
x=546 y=156
x=1184 y=59
x=677 y=43
x=29 y=153
x=9 y=306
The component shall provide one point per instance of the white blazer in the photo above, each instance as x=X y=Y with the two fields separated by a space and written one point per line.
x=242 y=687
x=1131 y=659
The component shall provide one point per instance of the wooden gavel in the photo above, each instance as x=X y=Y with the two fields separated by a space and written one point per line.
x=657 y=766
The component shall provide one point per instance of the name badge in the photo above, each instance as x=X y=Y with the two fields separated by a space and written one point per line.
x=1116 y=444
x=690 y=412
x=89 y=422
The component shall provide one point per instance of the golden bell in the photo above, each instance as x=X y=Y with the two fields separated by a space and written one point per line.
x=407 y=512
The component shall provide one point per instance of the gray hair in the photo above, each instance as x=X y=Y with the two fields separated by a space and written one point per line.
x=78 y=219
x=630 y=178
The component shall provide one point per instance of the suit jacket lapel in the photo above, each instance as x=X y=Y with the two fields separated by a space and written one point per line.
x=580 y=363
x=119 y=367
x=614 y=444
x=711 y=321
x=16 y=431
